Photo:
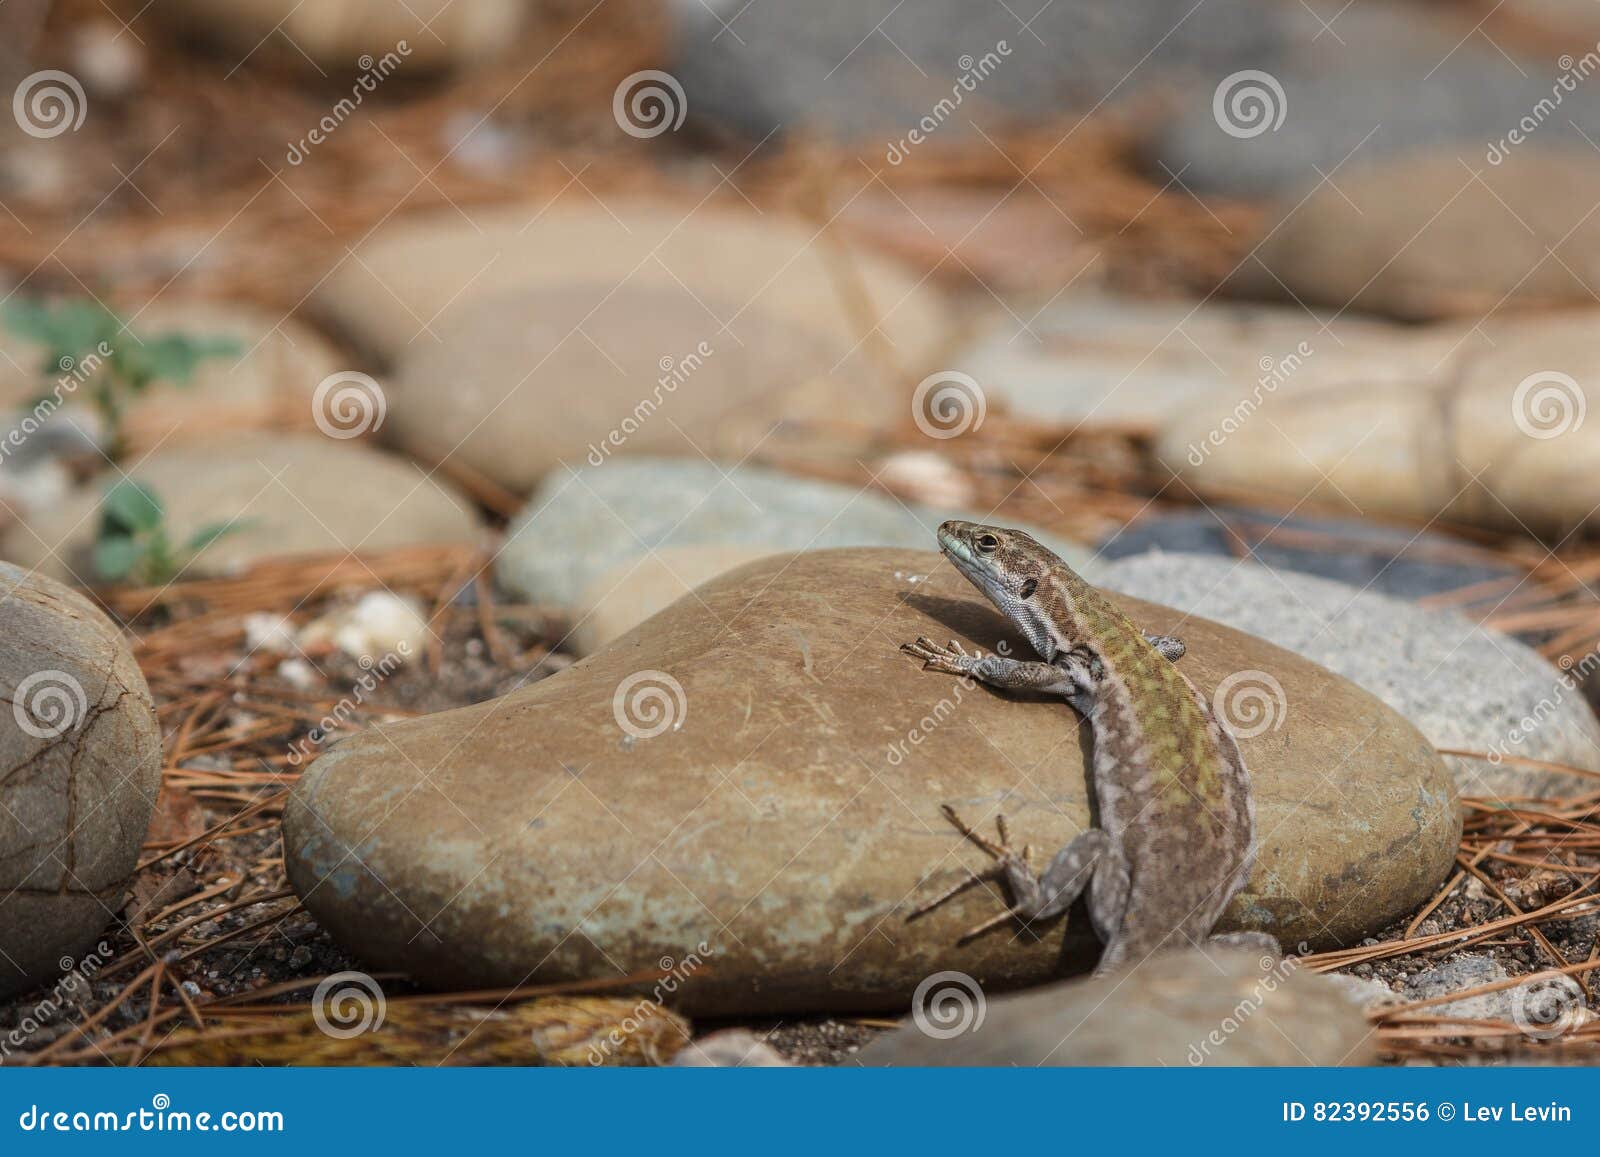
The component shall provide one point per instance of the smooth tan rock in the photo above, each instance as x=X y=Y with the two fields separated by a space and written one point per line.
x=289 y=494
x=530 y=379
x=784 y=818
x=1495 y=436
x=336 y=34
x=267 y=384
x=416 y=272
x=1100 y=358
x=1191 y=1009
x=625 y=596
x=80 y=768
x=1435 y=234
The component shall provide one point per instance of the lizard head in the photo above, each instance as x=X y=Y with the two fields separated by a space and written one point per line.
x=1011 y=568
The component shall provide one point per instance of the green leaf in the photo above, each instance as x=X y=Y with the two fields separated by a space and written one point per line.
x=172 y=357
x=116 y=556
x=129 y=507
x=69 y=330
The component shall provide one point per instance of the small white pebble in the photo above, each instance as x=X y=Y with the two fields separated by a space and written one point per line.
x=299 y=674
x=927 y=476
x=267 y=632
x=380 y=626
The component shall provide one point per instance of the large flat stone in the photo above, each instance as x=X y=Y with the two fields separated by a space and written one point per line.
x=786 y=811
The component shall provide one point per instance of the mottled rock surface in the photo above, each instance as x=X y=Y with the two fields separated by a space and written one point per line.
x=80 y=750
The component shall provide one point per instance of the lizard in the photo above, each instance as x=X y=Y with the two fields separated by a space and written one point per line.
x=1176 y=838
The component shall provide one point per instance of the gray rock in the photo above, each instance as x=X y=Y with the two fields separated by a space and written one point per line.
x=1457 y=975
x=1371 y=556
x=1363 y=991
x=1382 y=82
x=1191 y=1008
x=80 y=768
x=857 y=69
x=581 y=524
x=1544 y=1007
x=1460 y=685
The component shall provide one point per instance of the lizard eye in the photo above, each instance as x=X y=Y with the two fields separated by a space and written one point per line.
x=1029 y=587
x=987 y=543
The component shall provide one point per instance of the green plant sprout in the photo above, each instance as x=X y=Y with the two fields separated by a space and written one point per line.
x=80 y=335
x=133 y=544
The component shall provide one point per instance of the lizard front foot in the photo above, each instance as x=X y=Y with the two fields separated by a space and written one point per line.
x=1005 y=861
x=952 y=660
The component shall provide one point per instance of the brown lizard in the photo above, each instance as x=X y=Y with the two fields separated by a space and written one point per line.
x=1176 y=839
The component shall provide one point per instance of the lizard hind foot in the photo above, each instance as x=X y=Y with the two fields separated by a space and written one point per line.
x=1004 y=858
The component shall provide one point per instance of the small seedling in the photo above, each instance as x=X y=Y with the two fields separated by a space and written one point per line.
x=84 y=337
x=133 y=545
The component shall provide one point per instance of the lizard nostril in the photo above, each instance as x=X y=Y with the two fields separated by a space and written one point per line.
x=1029 y=587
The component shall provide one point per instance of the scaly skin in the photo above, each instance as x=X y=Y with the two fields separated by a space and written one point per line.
x=1176 y=839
